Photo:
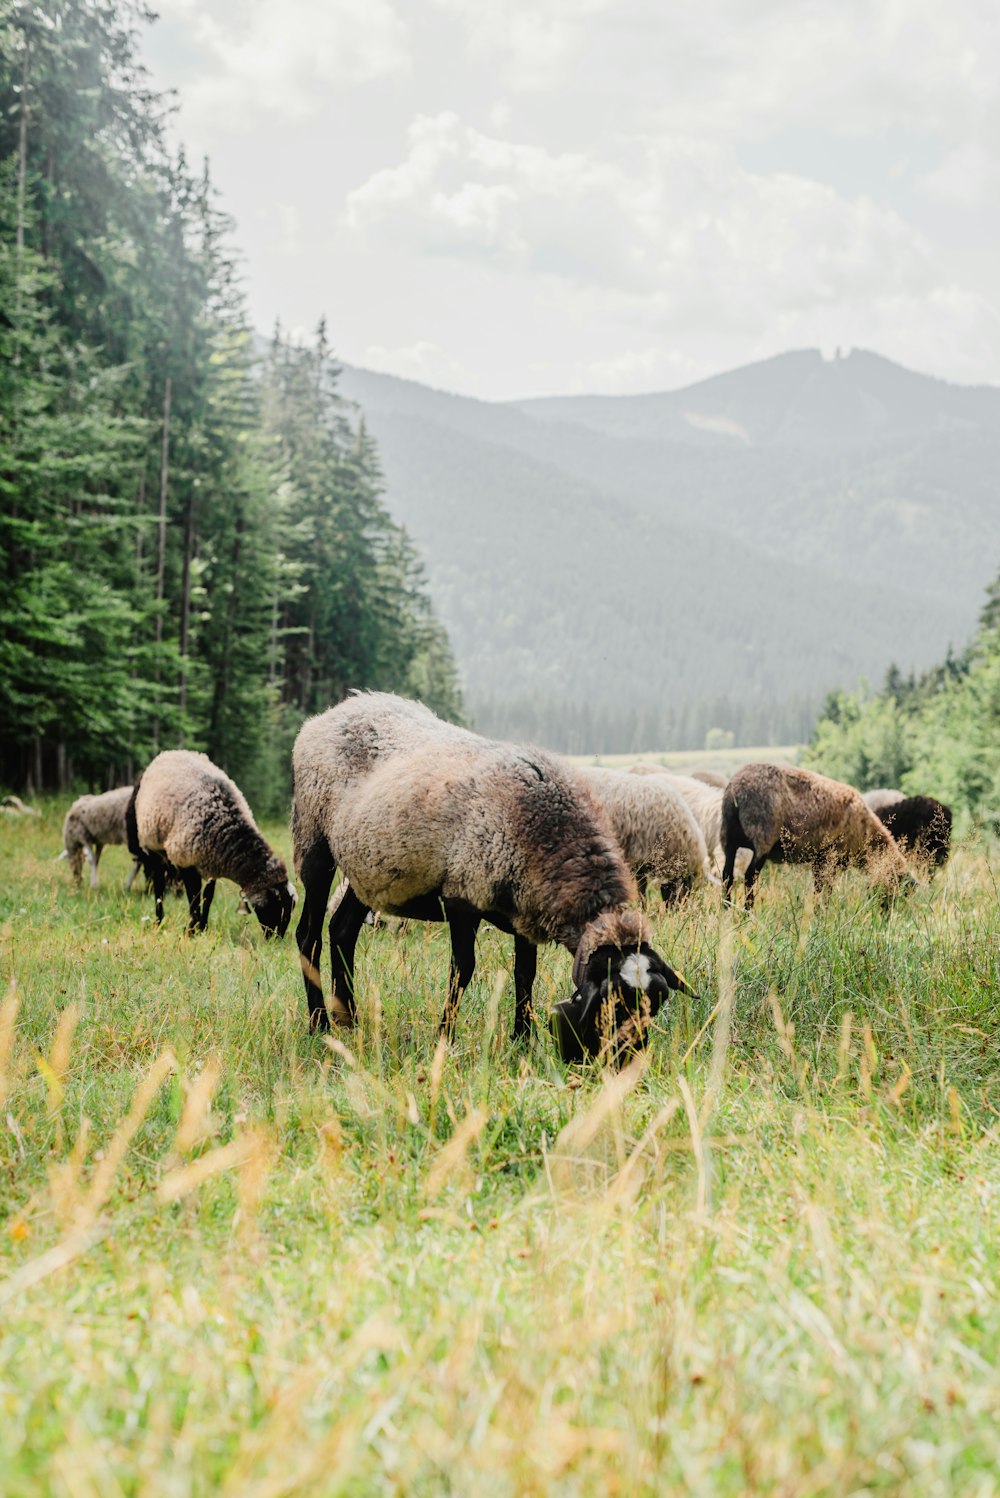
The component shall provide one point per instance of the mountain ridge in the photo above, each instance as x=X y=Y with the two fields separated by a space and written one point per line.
x=702 y=581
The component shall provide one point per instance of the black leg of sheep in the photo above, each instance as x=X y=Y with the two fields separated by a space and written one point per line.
x=157 y=871
x=316 y=872
x=207 y=895
x=192 y=888
x=463 y=928
x=525 y=967
x=750 y=878
x=345 y=928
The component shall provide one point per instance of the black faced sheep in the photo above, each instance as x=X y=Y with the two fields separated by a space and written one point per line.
x=91 y=823
x=921 y=826
x=792 y=815
x=186 y=811
x=655 y=829
x=432 y=822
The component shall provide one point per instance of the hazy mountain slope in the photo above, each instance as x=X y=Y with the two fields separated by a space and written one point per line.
x=554 y=589
x=645 y=576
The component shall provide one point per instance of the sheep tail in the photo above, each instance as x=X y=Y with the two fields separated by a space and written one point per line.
x=132 y=826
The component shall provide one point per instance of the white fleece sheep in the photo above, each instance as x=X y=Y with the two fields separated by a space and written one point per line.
x=875 y=800
x=653 y=823
x=91 y=824
x=705 y=804
x=187 y=811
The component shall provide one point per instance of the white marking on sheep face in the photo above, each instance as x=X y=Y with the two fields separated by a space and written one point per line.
x=635 y=971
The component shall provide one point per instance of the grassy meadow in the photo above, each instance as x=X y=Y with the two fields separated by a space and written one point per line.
x=237 y=1258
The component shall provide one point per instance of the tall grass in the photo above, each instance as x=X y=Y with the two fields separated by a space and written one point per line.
x=765 y=1257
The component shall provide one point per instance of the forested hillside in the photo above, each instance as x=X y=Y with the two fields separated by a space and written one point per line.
x=194 y=548
x=933 y=734
x=621 y=573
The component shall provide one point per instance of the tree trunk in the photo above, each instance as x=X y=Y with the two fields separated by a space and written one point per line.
x=22 y=176
x=36 y=781
x=185 y=614
x=272 y=671
x=161 y=554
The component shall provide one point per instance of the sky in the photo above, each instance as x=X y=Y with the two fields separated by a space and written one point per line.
x=510 y=198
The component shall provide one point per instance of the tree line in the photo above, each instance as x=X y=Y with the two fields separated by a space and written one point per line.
x=194 y=548
x=934 y=734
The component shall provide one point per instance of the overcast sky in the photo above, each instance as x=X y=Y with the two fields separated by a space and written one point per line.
x=523 y=197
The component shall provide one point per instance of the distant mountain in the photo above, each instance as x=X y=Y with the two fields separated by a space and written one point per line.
x=797 y=399
x=627 y=572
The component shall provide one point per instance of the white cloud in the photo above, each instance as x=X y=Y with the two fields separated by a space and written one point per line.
x=533 y=40
x=607 y=193
x=680 y=233
x=969 y=177
x=739 y=67
x=280 y=56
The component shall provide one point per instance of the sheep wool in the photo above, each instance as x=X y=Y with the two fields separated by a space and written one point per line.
x=921 y=826
x=704 y=801
x=657 y=832
x=91 y=824
x=430 y=821
x=791 y=815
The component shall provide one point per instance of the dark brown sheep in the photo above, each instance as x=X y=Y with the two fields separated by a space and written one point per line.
x=790 y=815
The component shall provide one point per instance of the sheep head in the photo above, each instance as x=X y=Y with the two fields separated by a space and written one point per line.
x=621 y=984
x=273 y=907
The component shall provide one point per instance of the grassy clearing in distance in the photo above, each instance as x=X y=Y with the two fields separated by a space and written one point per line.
x=683 y=761
x=766 y=1258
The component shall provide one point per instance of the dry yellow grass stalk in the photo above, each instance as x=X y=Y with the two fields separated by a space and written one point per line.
x=8 y=1019
x=187 y=1178
x=451 y=1160
x=54 y=1071
x=107 y=1169
x=196 y=1118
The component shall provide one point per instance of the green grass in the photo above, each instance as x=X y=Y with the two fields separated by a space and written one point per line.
x=766 y=1258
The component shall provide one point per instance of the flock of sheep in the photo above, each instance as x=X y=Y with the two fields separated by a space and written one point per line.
x=428 y=821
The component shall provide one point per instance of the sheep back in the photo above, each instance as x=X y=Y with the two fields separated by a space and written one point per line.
x=412 y=807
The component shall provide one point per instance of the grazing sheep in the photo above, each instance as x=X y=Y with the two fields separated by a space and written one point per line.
x=93 y=822
x=921 y=826
x=655 y=828
x=432 y=822
x=796 y=816
x=705 y=804
x=186 y=811
x=13 y=806
x=875 y=800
